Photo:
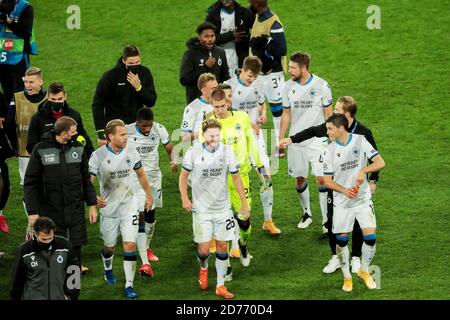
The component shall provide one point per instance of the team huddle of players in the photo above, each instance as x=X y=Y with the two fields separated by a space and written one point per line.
x=224 y=127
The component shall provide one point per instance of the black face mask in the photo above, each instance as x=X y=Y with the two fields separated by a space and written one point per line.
x=55 y=106
x=44 y=246
x=134 y=69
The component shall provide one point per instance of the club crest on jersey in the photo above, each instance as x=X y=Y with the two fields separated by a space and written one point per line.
x=355 y=151
x=238 y=127
x=201 y=62
x=60 y=259
x=219 y=62
x=74 y=155
x=239 y=92
x=128 y=161
x=312 y=93
x=152 y=137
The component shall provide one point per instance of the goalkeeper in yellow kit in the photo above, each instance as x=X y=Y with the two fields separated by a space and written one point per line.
x=237 y=132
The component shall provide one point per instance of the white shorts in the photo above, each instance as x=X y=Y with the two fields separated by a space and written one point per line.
x=219 y=225
x=262 y=149
x=300 y=157
x=127 y=224
x=155 y=179
x=273 y=86
x=344 y=218
x=23 y=164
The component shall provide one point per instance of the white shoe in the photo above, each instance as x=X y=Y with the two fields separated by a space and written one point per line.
x=332 y=266
x=355 y=264
x=245 y=256
x=305 y=222
x=324 y=230
x=229 y=275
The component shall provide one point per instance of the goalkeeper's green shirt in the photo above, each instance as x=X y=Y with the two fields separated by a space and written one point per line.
x=237 y=132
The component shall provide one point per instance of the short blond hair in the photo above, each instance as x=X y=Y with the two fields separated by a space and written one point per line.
x=210 y=123
x=34 y=71
x=204 y=79
x=111 y=127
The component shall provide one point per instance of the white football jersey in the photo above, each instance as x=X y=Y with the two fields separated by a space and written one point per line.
x=147 y=146
x=306 y=103
x=209 y=177
x=227 y=24
x=247 y=98
x=344 y=162
x=115 y=173
x=194 y=114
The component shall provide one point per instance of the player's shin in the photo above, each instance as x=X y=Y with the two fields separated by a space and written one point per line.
x=221 y=267
x=141 y=243
x=150 y=222
x=368 y=251
x=303 y=193
x=343 y=255
x=267 y=202
x=323 y=193
x=129 y=266
x=202 y=260
x=107 y=257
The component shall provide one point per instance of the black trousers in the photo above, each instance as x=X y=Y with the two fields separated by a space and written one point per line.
x=357 y=236
x=11 y=78
x=6 y=184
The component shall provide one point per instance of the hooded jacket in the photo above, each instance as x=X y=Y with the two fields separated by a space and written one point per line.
x=192 y=66
x=57 y=184
x=43 y=121
x=116 y=98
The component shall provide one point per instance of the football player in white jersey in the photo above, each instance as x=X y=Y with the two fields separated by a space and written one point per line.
x=114 y=164
x=208 y=164
x=307 y=102
x=195 y=112
x=145 y=136
x=345 y=172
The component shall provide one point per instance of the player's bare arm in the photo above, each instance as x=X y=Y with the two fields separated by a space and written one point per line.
x=173 y=157
x=376 y=165
x=183 y=186
x=285 y=122
x=330 y=184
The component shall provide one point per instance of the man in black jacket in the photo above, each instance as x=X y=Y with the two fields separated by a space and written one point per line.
x=122 y=91
x=5 y=152
x=345 y=105
x=202 y=56
x=46 y=267
x=57 y=183
x=233 y=24
x=49 y=112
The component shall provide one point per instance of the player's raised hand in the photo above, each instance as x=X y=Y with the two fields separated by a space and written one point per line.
x=134 y=80
x=101 y=202
x=210 y=62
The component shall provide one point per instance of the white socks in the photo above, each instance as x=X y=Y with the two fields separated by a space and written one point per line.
x=267 y=202
x=343 y=256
